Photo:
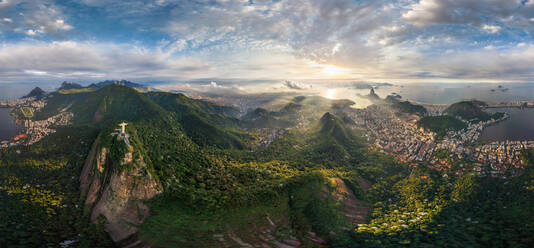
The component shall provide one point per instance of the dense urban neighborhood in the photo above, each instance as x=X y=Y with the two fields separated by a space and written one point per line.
x=33 y=130
x=399 y=135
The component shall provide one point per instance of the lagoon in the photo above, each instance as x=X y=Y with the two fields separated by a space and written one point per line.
x=8 y=127
x=520 y=126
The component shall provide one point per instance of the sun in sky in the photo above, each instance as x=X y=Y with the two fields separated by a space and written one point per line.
x=177 y=41
x=331 y=93
x=333 y=70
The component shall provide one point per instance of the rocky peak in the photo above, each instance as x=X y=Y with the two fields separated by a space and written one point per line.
x=36 y=92
x=372 y=94
x=117 y=195
x=67 y=86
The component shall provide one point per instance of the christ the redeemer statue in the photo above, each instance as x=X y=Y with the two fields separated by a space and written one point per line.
x=123 y=126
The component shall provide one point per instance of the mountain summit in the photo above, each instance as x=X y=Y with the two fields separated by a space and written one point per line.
x=36 y=92
x=68 y=86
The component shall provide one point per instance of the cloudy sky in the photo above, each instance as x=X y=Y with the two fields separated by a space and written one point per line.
x=178 y=40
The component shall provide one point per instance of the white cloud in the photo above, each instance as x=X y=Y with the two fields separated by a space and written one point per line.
x=33 y=18
x=61 y=25
x=310 y=29
x=513 y=63
x=225 y=87
x=296 y=85
x=34 y=72
x=470 y=12
x=32 y=32
x=202 y=86
x=285 y=39
x=78 y=60
x=336 y=48
x=491 y=28
x=74 y=59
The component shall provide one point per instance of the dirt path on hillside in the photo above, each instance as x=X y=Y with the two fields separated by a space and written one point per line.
x=364 y=184
x=354 y=209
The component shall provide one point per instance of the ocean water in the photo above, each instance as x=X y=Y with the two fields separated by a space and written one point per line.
x=435 y=93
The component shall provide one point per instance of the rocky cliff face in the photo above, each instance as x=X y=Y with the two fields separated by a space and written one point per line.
x=114 y=195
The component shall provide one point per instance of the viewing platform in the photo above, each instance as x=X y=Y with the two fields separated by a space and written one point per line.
x=121 y=133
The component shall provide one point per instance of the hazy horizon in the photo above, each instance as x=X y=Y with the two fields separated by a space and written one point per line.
x=427 y=93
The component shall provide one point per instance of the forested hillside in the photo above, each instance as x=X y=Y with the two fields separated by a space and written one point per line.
x=321 y=185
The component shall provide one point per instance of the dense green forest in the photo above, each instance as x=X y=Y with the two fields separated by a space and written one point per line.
x=435 y=212
x=40 y=202
x=405 y=106
x=441 y=124
x=219 y=183
x=471 y=111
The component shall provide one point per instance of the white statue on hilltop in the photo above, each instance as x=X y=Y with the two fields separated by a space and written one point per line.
x=123 y=126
